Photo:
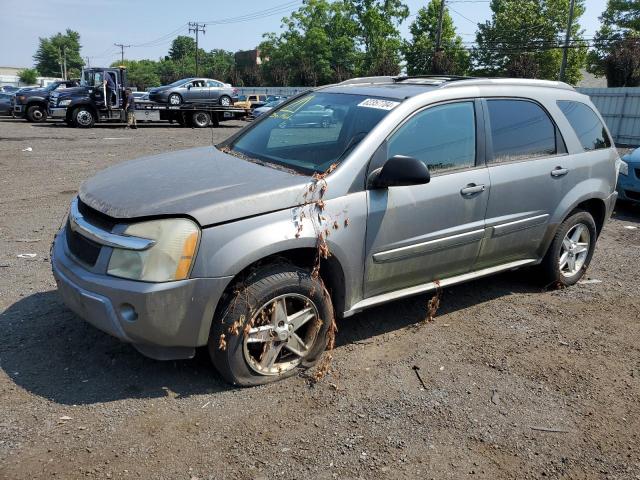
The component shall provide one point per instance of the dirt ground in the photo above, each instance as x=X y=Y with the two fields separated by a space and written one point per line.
x=519 y=382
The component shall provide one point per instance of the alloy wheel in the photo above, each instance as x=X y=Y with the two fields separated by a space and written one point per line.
x=574 y=250
x=282 y=334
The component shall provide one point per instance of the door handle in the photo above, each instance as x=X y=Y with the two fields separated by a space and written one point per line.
x=472 y=188
x=559 y=172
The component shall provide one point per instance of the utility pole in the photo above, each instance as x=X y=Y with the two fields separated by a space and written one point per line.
x=88 y=60
x=60 y=61
x=64 y=52
x=567 y=38
x=196 y=27
x=439 y=32
x=122 y=47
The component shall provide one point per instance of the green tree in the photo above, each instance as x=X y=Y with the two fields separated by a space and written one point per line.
x=522 y=39
x=141 y=74
x=615 y=43
x=317 y=45
x=419 y=52
x=28 y=76
x=52 y=51
x=218 y=64
x=181 y=47
x=378 y=22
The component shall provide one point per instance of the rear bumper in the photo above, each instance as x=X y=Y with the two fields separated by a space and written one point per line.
x=162 y=320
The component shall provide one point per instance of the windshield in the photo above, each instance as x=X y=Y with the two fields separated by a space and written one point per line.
x=178 y=82
x=313 y=132
x=91 y=78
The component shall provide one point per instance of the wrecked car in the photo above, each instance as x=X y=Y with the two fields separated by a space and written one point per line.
x=253 y=247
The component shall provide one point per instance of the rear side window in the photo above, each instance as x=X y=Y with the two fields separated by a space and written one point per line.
x=520 y=129
x=443 y=137
x=586 y=124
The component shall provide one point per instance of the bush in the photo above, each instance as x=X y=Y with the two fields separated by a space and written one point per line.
x=28 y=76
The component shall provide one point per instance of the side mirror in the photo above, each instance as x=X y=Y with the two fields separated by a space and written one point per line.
x=400 y=171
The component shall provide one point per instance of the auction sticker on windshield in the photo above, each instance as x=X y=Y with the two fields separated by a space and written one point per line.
x=378 y=103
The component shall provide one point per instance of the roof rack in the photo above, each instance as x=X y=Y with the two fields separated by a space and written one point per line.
x=514 y=82
x=363 y=80
x=430 y=79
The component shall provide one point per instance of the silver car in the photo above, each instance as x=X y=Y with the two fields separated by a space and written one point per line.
x=194 y=90
x=253 y=248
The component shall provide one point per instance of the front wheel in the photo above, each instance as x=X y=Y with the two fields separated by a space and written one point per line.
x=174 y=99
x=225 y=101
x=271 y=327
x=83 y=117
x=571 y=250
x=36 y=114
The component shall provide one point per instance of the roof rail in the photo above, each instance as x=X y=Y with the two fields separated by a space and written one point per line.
x=515 y=82
x=432 y=78
x=363 y=80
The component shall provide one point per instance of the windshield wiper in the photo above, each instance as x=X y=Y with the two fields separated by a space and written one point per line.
x=229 y=151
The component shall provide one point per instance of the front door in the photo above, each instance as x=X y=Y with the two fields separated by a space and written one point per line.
x=421 y=233
x=529 y=171
x=199 y=91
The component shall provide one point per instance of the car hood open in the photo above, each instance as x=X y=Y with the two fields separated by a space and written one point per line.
x=202 y=183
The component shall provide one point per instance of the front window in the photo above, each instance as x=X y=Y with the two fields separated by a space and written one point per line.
x=312 y=132
x=92 y=78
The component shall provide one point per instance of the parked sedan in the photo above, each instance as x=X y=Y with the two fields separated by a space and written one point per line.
x=629 y=179
x=5 y=103
x=267 y=107
x=193 y=90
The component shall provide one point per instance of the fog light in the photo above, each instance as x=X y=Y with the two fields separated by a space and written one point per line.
x=128 y=312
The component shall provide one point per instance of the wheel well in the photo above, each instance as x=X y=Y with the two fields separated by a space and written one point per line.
x=38 y=103
x=597 y=209
x=331 y=273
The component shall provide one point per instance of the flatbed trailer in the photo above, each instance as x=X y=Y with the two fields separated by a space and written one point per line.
x=86 y=105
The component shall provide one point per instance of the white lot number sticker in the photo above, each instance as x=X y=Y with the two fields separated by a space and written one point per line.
x=378 y=103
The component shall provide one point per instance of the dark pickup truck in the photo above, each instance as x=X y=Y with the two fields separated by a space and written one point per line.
x=33 y=104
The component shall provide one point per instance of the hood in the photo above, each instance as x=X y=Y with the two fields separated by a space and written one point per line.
x=73 y=91
x=633 y=157
x=203 y=183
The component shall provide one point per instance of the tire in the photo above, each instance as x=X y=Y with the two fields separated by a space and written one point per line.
x=174 y=99
x=36 y=114
x=225 y=101
x=571 y=250
x=83 y=117
x=257 y=307
x=200 y=119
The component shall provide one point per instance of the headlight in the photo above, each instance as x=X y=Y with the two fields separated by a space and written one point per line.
x=21 y=98
x=169 y=259
x=64 y=103
x=624 y=168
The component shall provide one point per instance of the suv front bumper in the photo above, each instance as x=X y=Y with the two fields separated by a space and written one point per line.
x=164 y=321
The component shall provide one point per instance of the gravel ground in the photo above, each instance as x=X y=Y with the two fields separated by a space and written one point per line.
x=518 y=382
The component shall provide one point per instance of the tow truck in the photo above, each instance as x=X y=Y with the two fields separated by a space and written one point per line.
x=85 y=105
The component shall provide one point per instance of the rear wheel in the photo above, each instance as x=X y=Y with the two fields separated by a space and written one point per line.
x=36 y=113
x=83 y=117
x=200 y=119
x=570 y=252
x=272 y=327
x=225 y=101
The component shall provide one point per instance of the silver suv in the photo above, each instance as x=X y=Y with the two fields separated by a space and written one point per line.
x=339 y=199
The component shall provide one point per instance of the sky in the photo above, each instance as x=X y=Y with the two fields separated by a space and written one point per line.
x=150 y=25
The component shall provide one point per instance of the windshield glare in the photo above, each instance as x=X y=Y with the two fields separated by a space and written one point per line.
x=312 y=132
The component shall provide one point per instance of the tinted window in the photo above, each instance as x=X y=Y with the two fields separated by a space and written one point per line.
x=519 y=130
x=586 y=124
x=443 y=137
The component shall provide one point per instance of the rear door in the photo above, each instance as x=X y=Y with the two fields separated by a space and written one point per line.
x=215 y=90
x=421 y=233
x=527 y=162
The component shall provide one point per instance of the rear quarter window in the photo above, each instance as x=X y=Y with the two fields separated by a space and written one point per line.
x=588 y=127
